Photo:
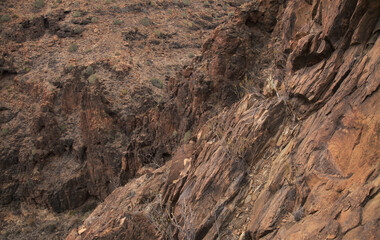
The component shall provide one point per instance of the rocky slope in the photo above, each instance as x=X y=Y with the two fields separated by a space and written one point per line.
x=77 y=80
x=298 y=159
x=271 y=133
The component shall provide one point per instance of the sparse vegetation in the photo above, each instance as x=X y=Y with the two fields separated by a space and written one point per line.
x=187 y=137
x=77 y=14
x=73 y=48
x=124 y=92
x=50 y=228
x=145 y=21
x=235 y=148
x=166 y=223
x=89 y=71
x=186 y=2
x=175 y=133
x=117 y=22
x=157 y=33
x=94 y=20
x=157 y=83
x=189 y=24
x=161 y=221
x=31 y=157
x=4 y=131
x=5 y=18
x=191 y=55
x=78 y=30
x=39 y=4
x=187 y=215
x=92 y=78
x=70 y=68
x=63 y=127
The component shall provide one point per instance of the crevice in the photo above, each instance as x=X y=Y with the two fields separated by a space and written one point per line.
x=337 y=85
x=46 y=23
x=325 y=87
x=371 y=175
x=371 y=195
x=330 y=44
x=7 y=72
x=266 y=232
x=301 y=97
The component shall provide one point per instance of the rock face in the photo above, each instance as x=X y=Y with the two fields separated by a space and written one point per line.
x=271 y=133
x=301 y=165
x=81 y=94
x=73 y=115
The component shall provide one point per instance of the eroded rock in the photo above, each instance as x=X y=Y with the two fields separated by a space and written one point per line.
x=300 y=166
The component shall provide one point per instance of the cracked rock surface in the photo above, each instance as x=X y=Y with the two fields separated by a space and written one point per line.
x=271 y=132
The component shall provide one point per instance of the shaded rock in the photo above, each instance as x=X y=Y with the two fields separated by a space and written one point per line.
x=37 y=27
x=133 y=35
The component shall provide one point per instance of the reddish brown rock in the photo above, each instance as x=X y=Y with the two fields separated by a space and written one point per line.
x=304 y=166
x=300 y=161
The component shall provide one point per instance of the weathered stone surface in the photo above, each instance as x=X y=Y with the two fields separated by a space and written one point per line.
x=61 y=142
x=133 y=205
x=303 y=166
x=296 y=158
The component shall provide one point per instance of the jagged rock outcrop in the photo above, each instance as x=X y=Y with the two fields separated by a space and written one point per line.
x=82 y=109
x=301 y=165
x=213 y=81
x=63 y=134
x=78 y=110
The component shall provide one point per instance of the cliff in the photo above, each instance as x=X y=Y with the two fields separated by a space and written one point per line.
x=272 y=132
x=296 y=158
